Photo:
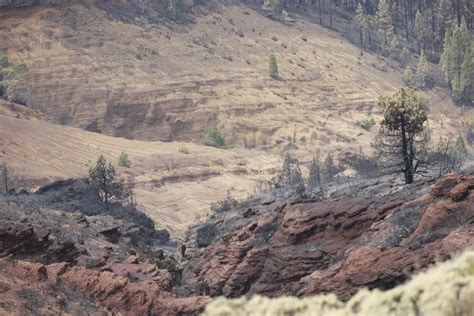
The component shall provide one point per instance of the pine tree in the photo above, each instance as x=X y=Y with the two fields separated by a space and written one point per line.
x=363 y=23
x=273 y=67
x=455 y=61
x=384 y=23
x=445 y=16
x=423 y=31
x=408 y=76
x=272 y=8
x=446 y=57
x=401 y=140
x=102 y=179
x=422 y=71
x=395 y=47
x=467 y=75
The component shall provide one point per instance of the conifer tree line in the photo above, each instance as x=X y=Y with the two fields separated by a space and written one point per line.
x=417 y=24
x=439 y=31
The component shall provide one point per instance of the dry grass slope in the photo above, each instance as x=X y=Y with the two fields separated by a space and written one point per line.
x=174 y=188
x=156 y=83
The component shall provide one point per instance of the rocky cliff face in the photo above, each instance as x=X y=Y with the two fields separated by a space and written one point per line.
x=374 y=238
x=447 y=289
x=59 y=258
x=60 y=252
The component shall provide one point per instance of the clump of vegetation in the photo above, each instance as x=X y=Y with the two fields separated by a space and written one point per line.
x=449 y=154
x=215 y=138
x=457 y=62
x=184 y=150
x=177 y=7
x=225 y=205
x=290 y=176
x=71 y=17
x=124 y=161
x=273 y=67
x=103 y=180
x=422 y=72
x=11 y=73
x=402 y=141
x=367 y=123
x=409 y=77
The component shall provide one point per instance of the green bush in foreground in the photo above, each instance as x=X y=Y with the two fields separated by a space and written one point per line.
x=444 y=290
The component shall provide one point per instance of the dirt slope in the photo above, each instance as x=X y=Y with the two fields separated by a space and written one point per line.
x=171 y=83
x=174 y=188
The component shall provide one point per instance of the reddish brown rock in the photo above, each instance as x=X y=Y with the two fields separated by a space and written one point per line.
x=342 y=245
x=461 y=190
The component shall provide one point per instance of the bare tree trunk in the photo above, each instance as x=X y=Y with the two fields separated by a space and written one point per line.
x=5 y=177
x=320 y=12
x=407 y=159
x=330 y=15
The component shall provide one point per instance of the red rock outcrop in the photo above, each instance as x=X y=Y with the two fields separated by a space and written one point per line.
x=342 y=245
x=116 y=293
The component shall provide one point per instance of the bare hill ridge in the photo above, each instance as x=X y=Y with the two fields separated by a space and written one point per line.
x=154 y=82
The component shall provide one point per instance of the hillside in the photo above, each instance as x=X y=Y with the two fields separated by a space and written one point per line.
x=291 y=212
x=161 y=175
x=172 y=82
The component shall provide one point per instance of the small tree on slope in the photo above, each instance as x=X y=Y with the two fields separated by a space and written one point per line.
x=402 y=136
x=103 y=181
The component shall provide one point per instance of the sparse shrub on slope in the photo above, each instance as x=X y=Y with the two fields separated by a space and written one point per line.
x=124 y=161
x=449 y=154
x=184 y=150
x=444 y=290
x=273 y=67
x=367 y=123
x=214 y=138
x=71 y=19
x=11 y=73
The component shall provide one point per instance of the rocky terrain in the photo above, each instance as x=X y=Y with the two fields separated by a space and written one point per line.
x=372 y=235
x=59 y=257
x=103 y=77
x=452 y=281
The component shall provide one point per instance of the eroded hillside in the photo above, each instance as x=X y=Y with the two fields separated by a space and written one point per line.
x=171 y=83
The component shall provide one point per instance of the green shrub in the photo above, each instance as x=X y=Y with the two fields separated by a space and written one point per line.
x=273 y=67
x=184 y=150
x=71 y=19
x=124 y=161
x=11 y=73
x=214 y=138
x=367 y=123
x=3 y=60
